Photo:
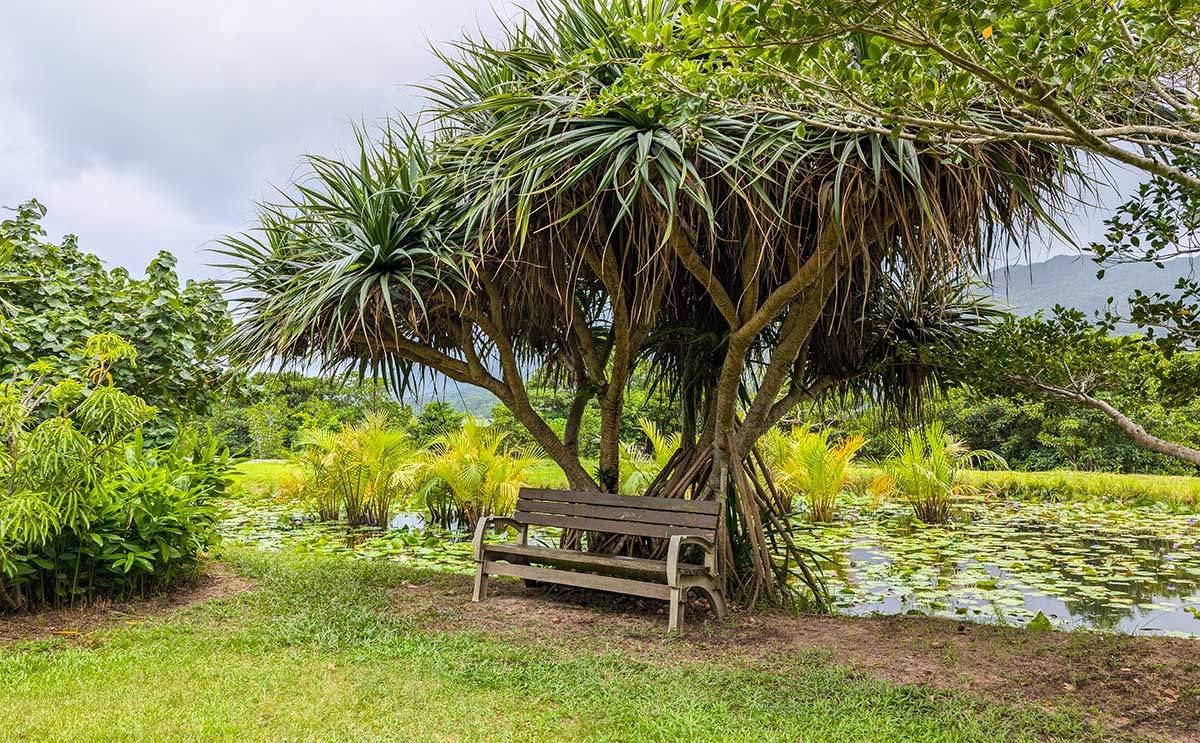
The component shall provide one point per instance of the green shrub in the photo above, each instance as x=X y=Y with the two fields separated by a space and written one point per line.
x=87 y=507
x=265 y=412
x=360 y=471
x=57 y=296
x=477 y=468
x=1042 y=435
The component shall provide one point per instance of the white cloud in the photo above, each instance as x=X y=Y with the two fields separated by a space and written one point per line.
x=130 y=216
x=145 y=125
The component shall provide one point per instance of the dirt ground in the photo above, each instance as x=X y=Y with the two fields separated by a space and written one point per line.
x=84 y=621
x=1141 y=685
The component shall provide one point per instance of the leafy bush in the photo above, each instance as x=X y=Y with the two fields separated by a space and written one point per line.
x=87 y=507
x=56 y=296
x=1031 y=435
x=924 y=467
x=436 y=418
x=1039 y=435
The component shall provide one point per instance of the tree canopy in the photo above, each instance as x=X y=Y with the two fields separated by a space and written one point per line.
x=1117 y=81
x=1066 y=357
x=53 y=298
x=569 y=213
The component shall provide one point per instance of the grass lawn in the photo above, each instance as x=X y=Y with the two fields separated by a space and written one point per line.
x=260 y=476
x=547 y=474
x=1064 y=484
x=323 y=649
x=1060 y=485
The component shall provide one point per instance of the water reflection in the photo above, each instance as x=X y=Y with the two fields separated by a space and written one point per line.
x=1099 y=566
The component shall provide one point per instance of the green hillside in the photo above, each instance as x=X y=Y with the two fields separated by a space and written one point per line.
x=1070 y=280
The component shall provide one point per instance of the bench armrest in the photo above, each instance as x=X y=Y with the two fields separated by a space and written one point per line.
x=677 y=544
x=481 y=528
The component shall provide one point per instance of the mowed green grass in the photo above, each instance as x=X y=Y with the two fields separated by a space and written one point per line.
x=546 y=473
x=1060 y=485
x=319 y=651
x=260 y=477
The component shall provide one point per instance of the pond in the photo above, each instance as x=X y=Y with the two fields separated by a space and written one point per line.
x=280 y=527
x=1089 y=564
x=1081 y=564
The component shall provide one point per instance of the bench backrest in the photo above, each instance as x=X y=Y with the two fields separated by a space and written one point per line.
x=636 y=515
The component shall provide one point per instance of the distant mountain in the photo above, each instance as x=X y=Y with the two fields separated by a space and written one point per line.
x=465 y=398
x=1071 y=281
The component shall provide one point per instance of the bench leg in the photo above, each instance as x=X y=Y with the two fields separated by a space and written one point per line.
x=676 y=601
x=718 y=602
x=480 y=592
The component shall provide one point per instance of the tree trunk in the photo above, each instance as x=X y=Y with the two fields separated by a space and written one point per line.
x=1126 y=424
x=609 y=472
x=575 y=420
x=14 y=603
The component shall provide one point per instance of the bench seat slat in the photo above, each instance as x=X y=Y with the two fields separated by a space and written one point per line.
x=624 y=513
x=580 y=580
x=586 y=560
x=610 y=526
x=678 y=505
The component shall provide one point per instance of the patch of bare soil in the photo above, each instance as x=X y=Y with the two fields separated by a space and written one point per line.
x=217 y=581
x=1145 y=686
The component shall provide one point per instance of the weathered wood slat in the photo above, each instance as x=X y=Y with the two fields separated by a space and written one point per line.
x=661 y=518
x=583 y=523
x=579 y=580
x=678 y=505
x=585 y=560
x=703 y=521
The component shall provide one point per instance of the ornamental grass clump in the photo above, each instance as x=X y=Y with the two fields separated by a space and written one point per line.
x=805 y=461
x=924 y=467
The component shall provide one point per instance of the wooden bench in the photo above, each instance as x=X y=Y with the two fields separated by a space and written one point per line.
x=682 y=522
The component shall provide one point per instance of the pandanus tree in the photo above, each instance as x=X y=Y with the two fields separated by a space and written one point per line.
x=556 y=219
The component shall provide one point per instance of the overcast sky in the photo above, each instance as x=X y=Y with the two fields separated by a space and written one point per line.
x=145 y=125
